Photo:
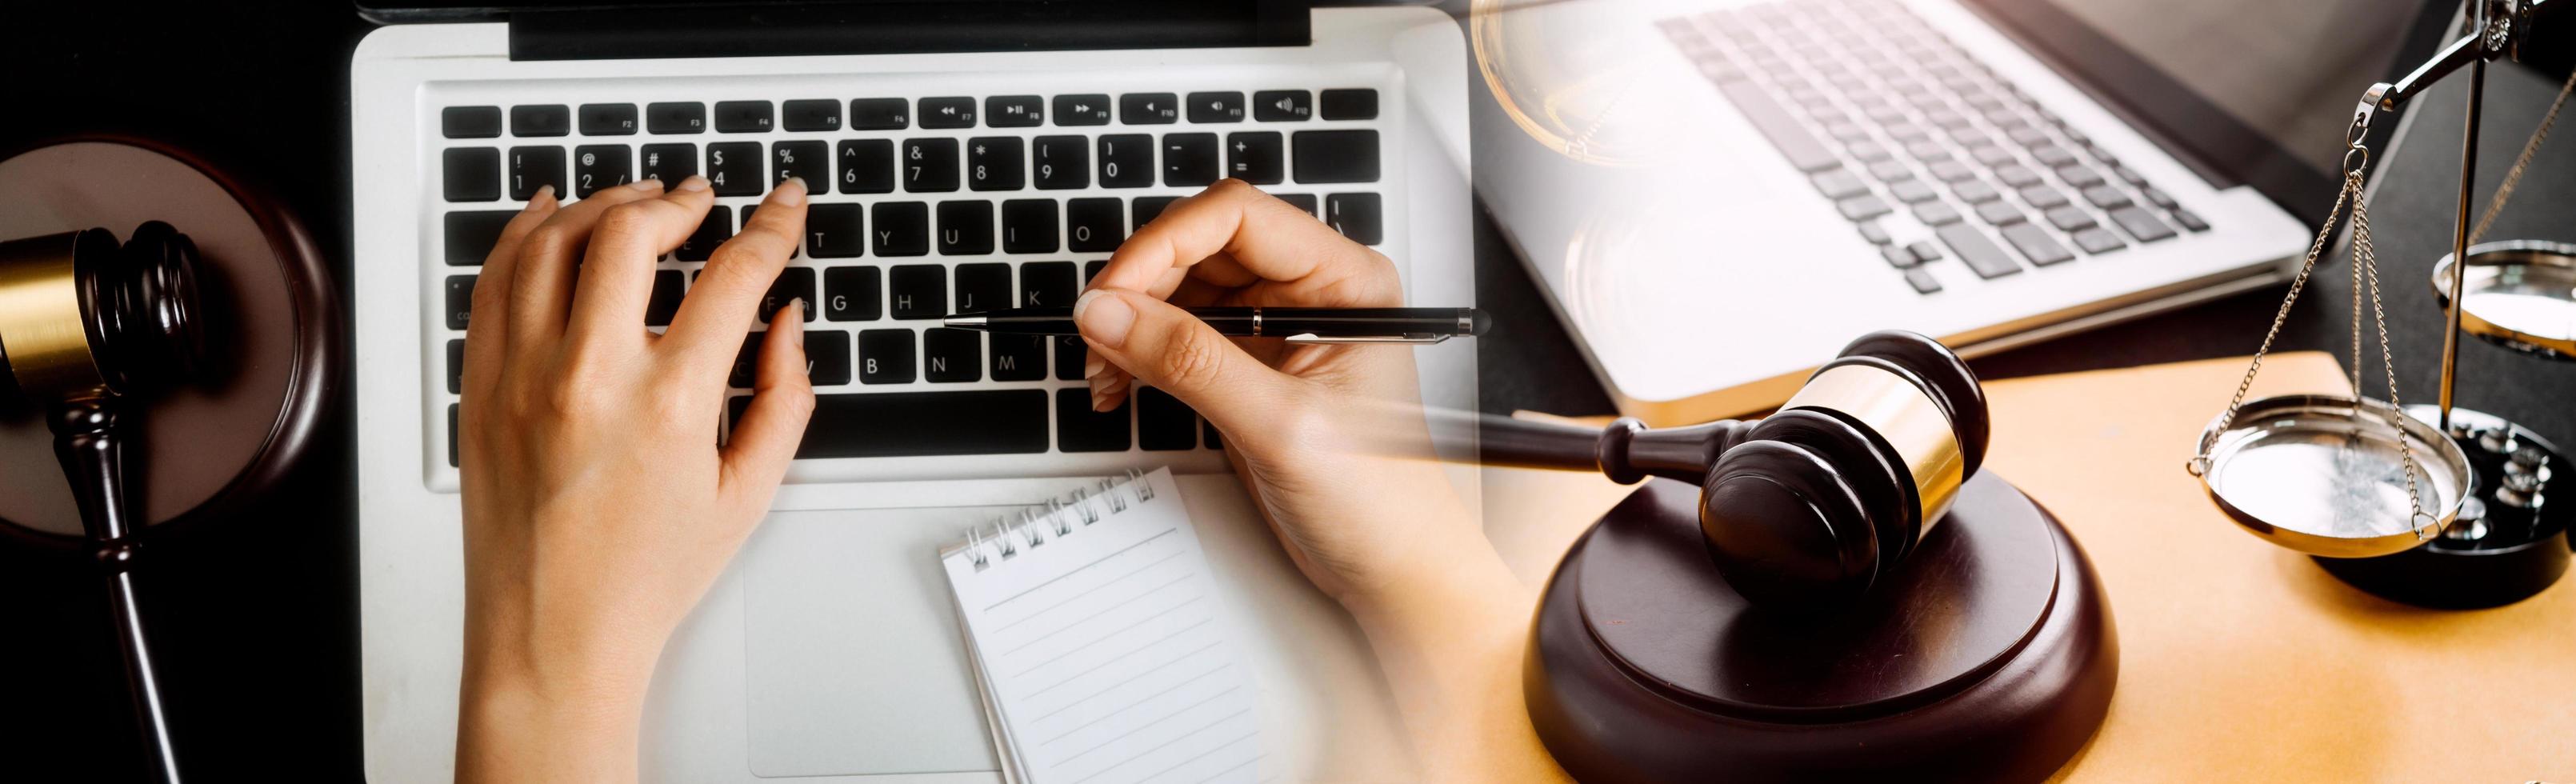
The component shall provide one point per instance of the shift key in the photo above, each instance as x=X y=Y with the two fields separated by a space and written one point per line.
x=1802 y=148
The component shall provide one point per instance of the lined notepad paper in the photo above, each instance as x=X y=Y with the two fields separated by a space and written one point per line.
x=1101 y=651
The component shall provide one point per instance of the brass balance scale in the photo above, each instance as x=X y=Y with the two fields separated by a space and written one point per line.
x=2434 y=505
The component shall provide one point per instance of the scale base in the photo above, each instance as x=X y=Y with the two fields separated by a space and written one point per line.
x=2523 y=546
x=1989 y=655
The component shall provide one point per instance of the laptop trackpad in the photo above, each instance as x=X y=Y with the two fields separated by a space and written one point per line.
x=854 y=656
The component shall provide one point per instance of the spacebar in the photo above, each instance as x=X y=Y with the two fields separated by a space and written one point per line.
x=1802 y=148
x=890 y=424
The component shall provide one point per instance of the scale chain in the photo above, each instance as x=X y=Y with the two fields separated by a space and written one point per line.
x=2513 y=176
x=2199 y=463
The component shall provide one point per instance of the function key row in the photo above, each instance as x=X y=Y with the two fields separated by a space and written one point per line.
x=893 y=114
x=924 y=165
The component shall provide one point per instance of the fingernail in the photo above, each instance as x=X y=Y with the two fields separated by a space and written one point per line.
x=1091 y=365
x=694 y=183
x=545 y=193
x=647 y=184
x=789 y=194
x=1104 y=317
x=796 y=319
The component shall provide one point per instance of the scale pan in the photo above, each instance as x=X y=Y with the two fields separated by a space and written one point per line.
x=2322 y=475
x=2521 y=295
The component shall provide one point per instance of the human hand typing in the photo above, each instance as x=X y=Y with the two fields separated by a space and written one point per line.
x=598 y=505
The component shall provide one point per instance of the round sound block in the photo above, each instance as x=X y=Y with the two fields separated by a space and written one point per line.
x=1987 y=655
x=271 y=333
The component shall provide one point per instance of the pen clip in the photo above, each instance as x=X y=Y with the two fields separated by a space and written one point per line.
x=1422 y=338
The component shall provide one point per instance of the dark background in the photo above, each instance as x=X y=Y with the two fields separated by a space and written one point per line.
x=255 y=618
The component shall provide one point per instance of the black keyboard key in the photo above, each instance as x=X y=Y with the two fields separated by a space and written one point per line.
x=1163 y=422
x=460 y=301
x=1282 y=105
x=2106 y=197
x=1216 y=107
x=713 y=231
x=1061 y=162
x=1922 y=281
x=1982 y=255
x=1047 y=284
x=792 y=283
x=929 y=165
x=812 y=114
x=920 y=290
x=880 y=114
x=2036 y=244
x=535 y=167
x=836 y=230
x=807 y=159
x=455 y=366
x=993 y=163
x=1082 y=109
x=1913 y=191
x=596 y=167
x=1861 y=208
x=1019 y=357
x=1335 y=156
x=867 y=165
x=1839 y=184
x=2068 y=218
x=952 y=356
x=2098 y=240
x=1148 y=108
x=471 y=235
x=1304 y=201
x=469 y=122
x=670 y=163
x=2043 y=197
x=734 y=168
x=852 y=294
x=965 y=228
x=2190 y=220
x=1803 y=149
x=1094 y=225
x=1144 y=209
x=2140 y=223
x=1126 y=161
x=1029 y=226
x=1350 y=104
x=983 y=287
x=1080 y=429
x=1190 y=160
x=1255 y=157
x=2000 y=213
x=967 y=422
x=668 y=287
x=902 y=228
x=744 y=116
x=1357 y=216
x=608 y=119
x=1014 y=111
x=542 y=120
x=470 y=173
x=676 y=117
x=1070 y=354
x=947 y=112
x=885 y=357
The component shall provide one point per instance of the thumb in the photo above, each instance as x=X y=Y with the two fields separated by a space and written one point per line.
x=782 y=399
x=1167 y=348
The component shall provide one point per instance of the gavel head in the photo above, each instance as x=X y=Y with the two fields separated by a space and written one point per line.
x=82 y=316
x=1809 y=505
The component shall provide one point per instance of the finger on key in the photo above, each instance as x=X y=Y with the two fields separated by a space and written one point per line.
x=782 y=399
x=616 y=280
x=1233 y=233
x=725 y=300
x=541 y=287
x=492 y=291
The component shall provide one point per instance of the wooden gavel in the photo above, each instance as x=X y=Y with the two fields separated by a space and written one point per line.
x=1809 y=505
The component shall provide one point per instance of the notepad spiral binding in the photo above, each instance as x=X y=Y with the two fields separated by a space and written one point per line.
x=1005 y=538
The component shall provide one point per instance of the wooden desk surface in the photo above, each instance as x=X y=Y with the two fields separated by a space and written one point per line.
x=2239 y=661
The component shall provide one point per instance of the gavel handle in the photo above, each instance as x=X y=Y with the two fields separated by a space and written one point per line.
x=87 y=442
x=1627 y=451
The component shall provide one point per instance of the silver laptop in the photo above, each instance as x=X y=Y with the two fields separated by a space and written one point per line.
x=957 y=166
x=1716 y=195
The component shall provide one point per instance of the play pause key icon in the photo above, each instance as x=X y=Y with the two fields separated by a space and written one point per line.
x=1282 y=105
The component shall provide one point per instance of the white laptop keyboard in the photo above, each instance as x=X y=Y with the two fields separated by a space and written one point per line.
x=928 y=198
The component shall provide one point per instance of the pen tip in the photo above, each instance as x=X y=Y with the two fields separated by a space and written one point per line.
x=963 y=322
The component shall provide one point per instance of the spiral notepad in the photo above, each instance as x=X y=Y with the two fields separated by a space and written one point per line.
x=1100 y=648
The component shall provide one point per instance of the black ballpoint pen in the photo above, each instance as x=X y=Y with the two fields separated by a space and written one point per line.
x=1296 y=325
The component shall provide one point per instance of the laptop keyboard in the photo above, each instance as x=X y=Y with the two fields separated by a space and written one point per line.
x=1928 y=152
x=922 y=206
